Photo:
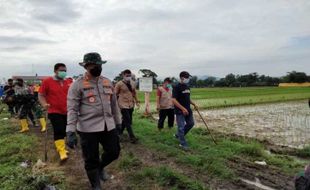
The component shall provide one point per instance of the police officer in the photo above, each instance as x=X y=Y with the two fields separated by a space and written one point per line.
x=93 y=111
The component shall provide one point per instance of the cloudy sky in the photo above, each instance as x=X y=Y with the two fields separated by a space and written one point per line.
x=205 y=37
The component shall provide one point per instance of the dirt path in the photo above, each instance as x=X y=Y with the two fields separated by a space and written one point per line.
x=76 y=178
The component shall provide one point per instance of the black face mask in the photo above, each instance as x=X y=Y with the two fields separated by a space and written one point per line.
x=96 y=71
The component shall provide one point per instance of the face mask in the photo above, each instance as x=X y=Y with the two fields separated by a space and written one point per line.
x=127 y=79
x=62 y=74
x=185 y=81
x=169 y=86
x=96 y=71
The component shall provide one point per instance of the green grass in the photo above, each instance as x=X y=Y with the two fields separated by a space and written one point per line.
x=221 y=97
x=305 y=152
x=140 y=176
x=16 y=148
x=165 y=177
x=204 y=155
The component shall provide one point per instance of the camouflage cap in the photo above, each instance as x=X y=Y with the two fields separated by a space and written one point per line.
x=92 y=58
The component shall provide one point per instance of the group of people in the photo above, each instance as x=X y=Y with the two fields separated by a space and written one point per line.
x=22 y=101
x=99 y=112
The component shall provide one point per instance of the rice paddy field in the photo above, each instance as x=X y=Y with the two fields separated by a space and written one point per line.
x=208 y=98
x=279 y=115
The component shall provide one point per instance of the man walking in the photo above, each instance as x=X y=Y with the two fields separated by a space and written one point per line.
x=183 y=111
x=93 y=111
x=53 y=97
x=164 y=104
x=24 y=101
x=127 y=98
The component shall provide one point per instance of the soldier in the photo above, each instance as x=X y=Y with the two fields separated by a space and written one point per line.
x=164 y=104
x=53 y=98
x=94 y=113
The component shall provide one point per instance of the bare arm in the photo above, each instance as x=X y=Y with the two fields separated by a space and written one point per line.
x=43 y=101
x=157 y=102
x=195 y=105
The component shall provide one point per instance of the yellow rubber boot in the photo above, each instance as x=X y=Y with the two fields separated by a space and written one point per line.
x=24 y=125
x=43 y=124
x=60 y=147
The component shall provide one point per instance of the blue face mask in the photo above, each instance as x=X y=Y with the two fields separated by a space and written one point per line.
x=169 y=86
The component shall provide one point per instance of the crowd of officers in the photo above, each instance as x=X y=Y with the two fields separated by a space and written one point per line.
x=97 y=110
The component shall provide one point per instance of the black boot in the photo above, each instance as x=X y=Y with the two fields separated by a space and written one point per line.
x=93 y=176
x=104 y=176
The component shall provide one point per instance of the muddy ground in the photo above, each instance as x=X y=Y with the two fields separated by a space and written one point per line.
x=76 y=178
x=275 y=122
x=284 y=124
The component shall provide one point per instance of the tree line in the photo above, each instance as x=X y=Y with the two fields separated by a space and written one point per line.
x=232 y=80
x=248 y=80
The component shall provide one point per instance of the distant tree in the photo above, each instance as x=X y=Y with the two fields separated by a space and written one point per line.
x=149 y=73
x=193 y=81
x=210 y=81
x=220 y=83
x=298 y=77
x=119 y=77
x=230 y=80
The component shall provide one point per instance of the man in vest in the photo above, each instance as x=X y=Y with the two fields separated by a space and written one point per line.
x=127 y=98
x=183 y=111
x=94 y=113
x=53 y=97
x=164 y=104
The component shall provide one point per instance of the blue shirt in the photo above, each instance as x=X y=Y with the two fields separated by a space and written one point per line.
x=1 y=91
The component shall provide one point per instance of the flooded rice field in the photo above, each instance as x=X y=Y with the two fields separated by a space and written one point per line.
x=285 y=124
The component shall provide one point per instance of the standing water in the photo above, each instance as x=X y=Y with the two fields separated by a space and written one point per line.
x=286 y=124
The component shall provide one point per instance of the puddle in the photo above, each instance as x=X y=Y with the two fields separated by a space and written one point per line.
x=257 y=183
x=285 y=124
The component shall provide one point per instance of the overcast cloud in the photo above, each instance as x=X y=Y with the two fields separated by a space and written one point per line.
x=205 y=37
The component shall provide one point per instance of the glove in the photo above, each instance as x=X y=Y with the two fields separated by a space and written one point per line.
x=71 y=139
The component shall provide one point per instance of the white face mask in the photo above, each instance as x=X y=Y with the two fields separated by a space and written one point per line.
x=186 y=81
x=127 y=78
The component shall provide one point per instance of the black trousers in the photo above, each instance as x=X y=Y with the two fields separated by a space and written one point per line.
x=109 y=141
x=59 y=123
x=25 y=111
x=11 y=107
x=162 y=116
x=127 y=122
